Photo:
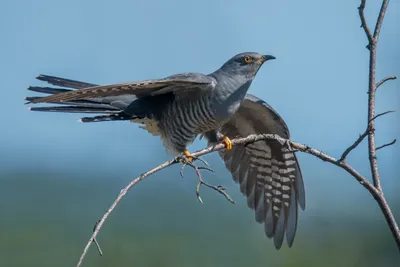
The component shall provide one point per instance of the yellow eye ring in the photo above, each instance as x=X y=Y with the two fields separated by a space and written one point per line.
x=248 y=59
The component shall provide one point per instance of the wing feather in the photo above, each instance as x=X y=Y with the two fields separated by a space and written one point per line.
x=268 y=174
x=178 y=84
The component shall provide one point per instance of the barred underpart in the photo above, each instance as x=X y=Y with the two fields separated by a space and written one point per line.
x=182 y=121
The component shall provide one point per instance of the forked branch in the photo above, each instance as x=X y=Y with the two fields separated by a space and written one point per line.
x=364 y=21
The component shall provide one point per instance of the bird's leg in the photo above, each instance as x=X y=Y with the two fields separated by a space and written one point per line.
x=186 y=159
x=228 y=143
x=215 y=136
x=188 y=155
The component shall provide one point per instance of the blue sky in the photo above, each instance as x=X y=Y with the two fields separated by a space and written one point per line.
x=318 y=82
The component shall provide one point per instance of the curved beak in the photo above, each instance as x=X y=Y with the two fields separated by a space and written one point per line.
x=268 y=57
x=264 y=58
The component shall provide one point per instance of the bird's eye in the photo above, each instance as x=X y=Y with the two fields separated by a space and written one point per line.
x=248 y=59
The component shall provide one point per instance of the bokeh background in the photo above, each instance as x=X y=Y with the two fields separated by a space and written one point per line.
x=57 y=176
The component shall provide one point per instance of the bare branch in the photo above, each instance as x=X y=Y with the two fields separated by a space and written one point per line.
x=385 y=145
x=98 y=247
x=373 y=41
x=361 y=137
x=220 y=189
x=242 y=141
x=95 y=241
x=364 y=21
x=117 y=200
x=372 y=86
x=354 y=145
x=379 y=21
x=385 y=80
x=371 y=118
x=381 y=114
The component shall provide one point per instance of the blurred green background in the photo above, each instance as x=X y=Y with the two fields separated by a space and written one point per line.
x=57 y=177
x=47 y=219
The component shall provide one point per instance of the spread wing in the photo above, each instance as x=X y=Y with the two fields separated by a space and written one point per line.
x=268 y=174
x=180 y=84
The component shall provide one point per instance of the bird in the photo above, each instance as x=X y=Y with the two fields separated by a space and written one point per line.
x=217 y=106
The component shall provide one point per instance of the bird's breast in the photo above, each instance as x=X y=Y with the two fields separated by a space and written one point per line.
x=228 y=98
x=183 y=119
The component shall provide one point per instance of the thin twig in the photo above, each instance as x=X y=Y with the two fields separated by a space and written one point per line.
x=95 y=241
x=361 y=137
x=197 y=169
x=379 y=21
x=217 y=188
x=364 y=21
x=98 y=247
x=381 y=114
x=185 y=162
x=354 y=145
x=388 y=144
x=385 y=80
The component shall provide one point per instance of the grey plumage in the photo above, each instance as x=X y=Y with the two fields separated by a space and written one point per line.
x=180 y=107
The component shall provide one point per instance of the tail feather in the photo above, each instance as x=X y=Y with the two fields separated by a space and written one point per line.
x=113 y=107
x=30 y=99
x=81 y=103
x=57 y=81
x=47 y=90
x=44 y=90
x=114 y=117
x=75 y=109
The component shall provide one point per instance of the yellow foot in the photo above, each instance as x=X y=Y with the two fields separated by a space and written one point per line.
x=228 y=142
x=188 y=155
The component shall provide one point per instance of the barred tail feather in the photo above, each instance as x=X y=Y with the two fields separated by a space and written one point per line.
x=47 y=90
x=110 y=108
x=113 y=117
x=75 y=109
x=57 y=81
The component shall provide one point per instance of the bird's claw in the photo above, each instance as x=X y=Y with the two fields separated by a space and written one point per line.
x=186 y=158
x=227 y=142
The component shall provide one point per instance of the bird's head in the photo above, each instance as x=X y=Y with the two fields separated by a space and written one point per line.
x=245 y=64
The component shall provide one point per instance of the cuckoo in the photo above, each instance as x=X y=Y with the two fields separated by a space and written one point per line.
x=180 y=107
